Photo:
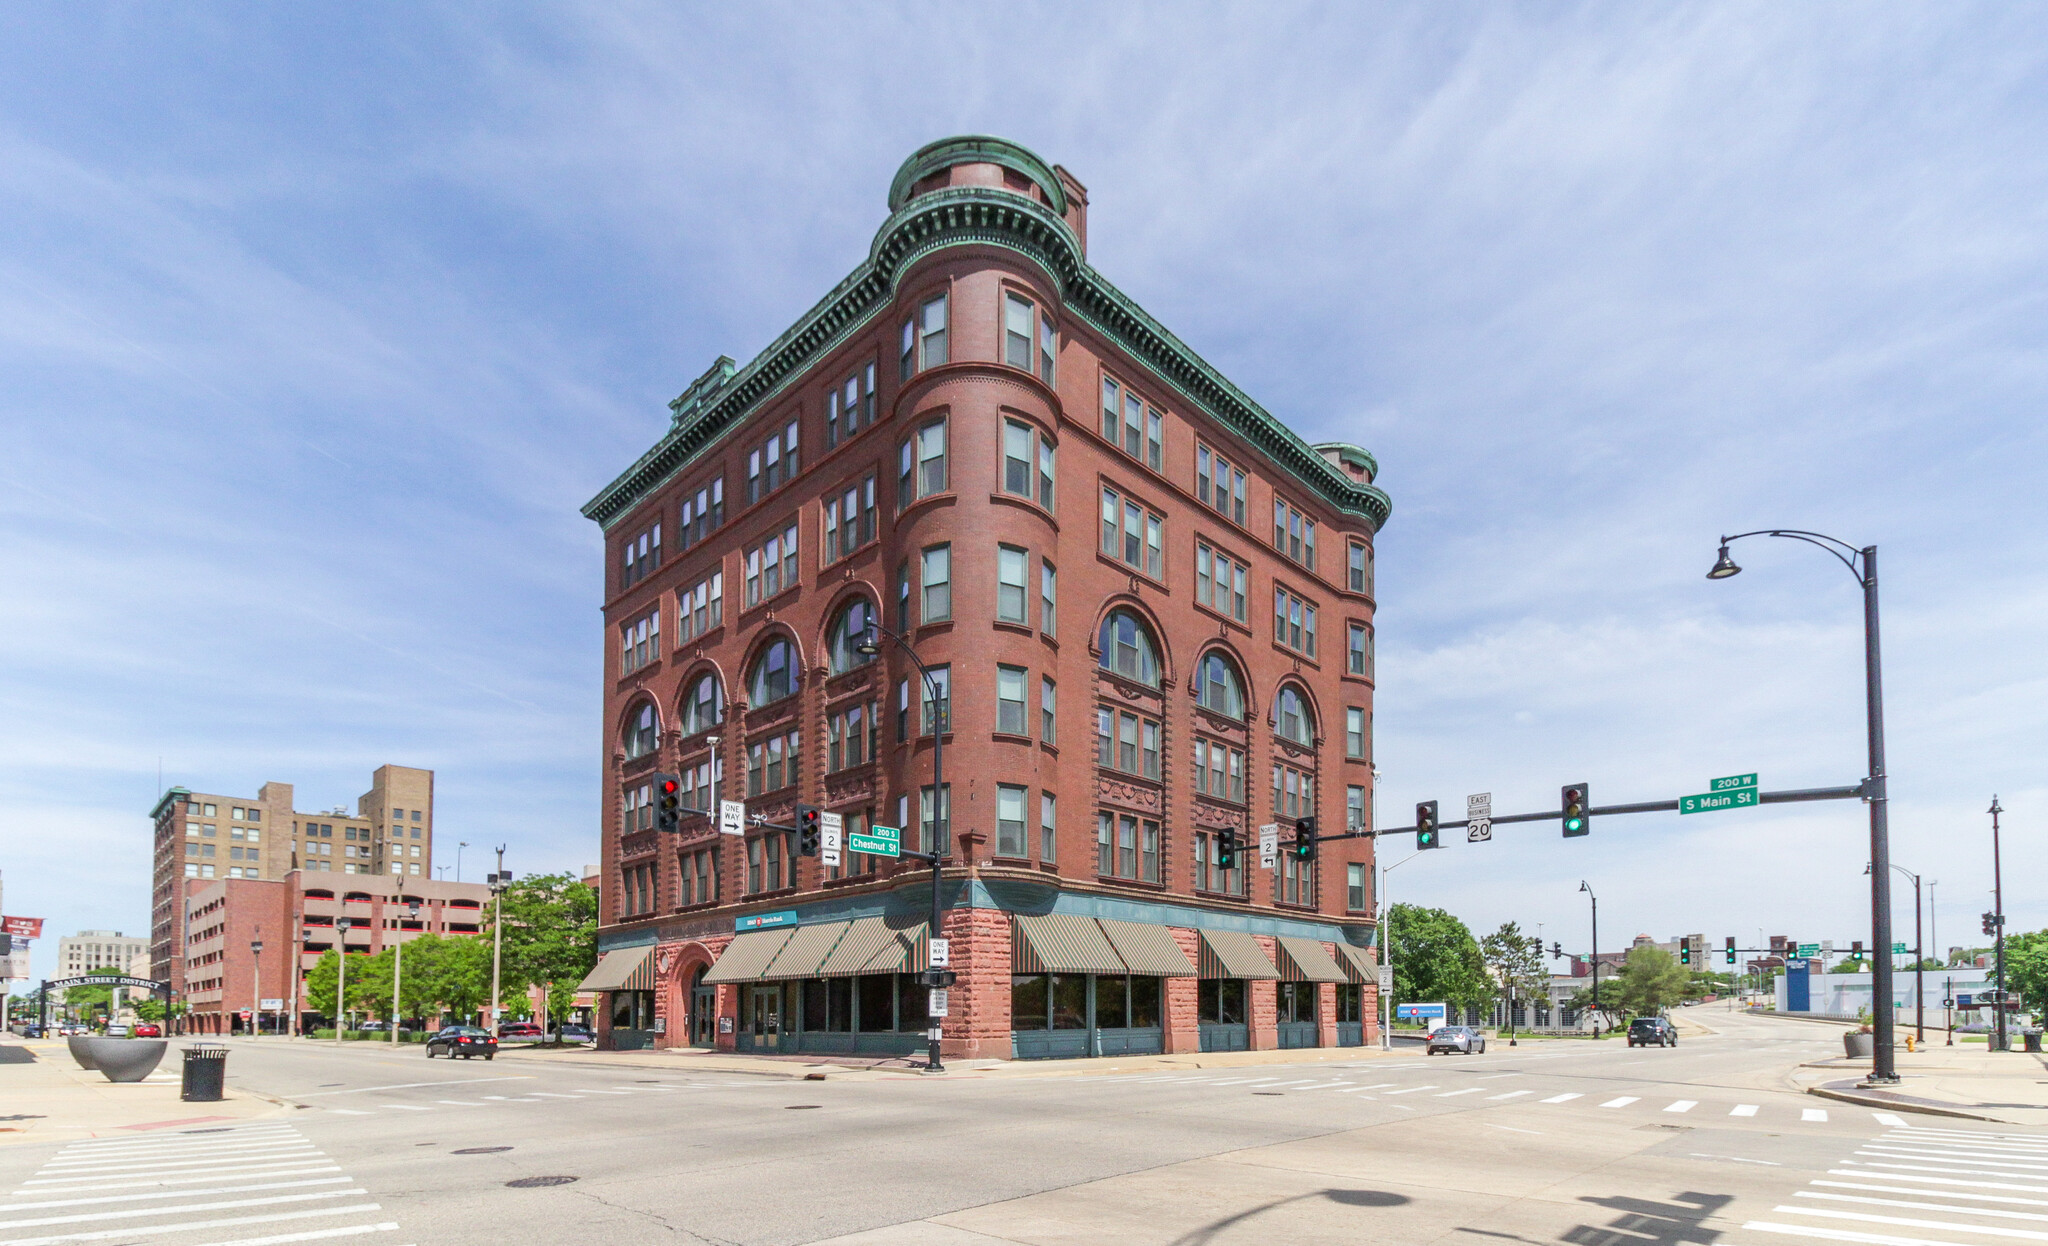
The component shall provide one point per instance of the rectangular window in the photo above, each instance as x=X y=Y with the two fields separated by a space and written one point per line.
x=1354 y=808
x=639 y=644
x=1126 y=742
x=849 y=520
x=906 y=359
x=902 y=710
x=1294 y=793
x=1010 y=820
x=1017 y=449
x=700 y=607
x=1048 y=828
x=1295 y=881
x=698 y=872
x=1131 y=533
x=850 y=407
x=1359 y=560
x=1130 y=424
x=774 y=464
x=1127 y=846
x=1357 y=650
x=641 y=555
x=771 y=566
x=1220 y=581
x=1048 y=593
x=921 y=464
x=772 y=764
x=1354 y=732
x=1010 y=682
x=1010 y=564
x=1357 y=893
x=928 y=832
x=937 y=581
x=1048 y=711
x=1219 y=484
x=703 y=513
x=931 y=333
x=1219 y=771
x=903 y=595
x=1294 y=622
x=851 y=736
x=938 y=697
x=1048 y=350
x=1294 y=534
x=1018 y=315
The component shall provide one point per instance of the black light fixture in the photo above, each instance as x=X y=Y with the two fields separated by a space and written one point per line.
x=1724 y=566
x=869 y=643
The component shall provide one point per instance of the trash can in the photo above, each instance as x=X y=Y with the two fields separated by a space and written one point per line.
x=205 y=1076
x=2033 y=1039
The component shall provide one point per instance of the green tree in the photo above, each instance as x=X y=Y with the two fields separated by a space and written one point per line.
x=369 y=984
x=319 y=987
x=2026 y=967
x=1649 y=982
x=1435 y=958
x=1515 y=960
x=550 y=936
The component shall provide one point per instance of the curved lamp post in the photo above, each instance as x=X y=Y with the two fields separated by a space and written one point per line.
x=1862 y=563
x=1596 y=954
x=412 y=912
x=870 y=644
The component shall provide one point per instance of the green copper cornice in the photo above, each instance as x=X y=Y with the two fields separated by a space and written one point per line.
x=971 y=216
x=976 y=149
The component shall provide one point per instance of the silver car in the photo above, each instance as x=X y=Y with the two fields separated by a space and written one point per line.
x=1459 y=1038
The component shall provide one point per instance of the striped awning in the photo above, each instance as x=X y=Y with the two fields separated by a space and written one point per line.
x=1149 y=950
x=1234 y=954
x=1304 y=960
x=806 y=951
x=872 y=945
x=1358 y=964
x=1061 y=943
x=628 y=969
x=747 y=956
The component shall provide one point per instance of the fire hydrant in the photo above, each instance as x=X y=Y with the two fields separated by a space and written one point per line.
x=1909 y=1043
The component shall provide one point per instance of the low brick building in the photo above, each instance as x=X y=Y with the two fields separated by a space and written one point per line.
x=1146 y=609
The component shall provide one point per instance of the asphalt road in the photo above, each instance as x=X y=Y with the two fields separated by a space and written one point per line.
x=1551 y=1142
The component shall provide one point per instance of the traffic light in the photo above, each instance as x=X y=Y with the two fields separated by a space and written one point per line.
x=668 y=802
x=1556 y=950
x=1226 y=850
x=1990 y=924
x=1575 y=799
x=1425 y=826
x=1684 y=952
x=1856 y=950
x=809 y=835
x=1305 y=839
x=1731 y=949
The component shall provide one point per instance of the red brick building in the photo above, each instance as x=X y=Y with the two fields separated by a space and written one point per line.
x=295 y=919
x=1149 y=607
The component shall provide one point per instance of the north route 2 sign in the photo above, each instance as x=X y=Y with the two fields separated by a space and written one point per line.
x=831 y=834
x=1269 y=845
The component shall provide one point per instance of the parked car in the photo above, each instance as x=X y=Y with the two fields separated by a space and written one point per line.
x=371 y=1027
x=1651 y=1031
x=573 y=1033
x=466 y=1041
x=149 y=1029
x=1459 y=1038
x=117 y=1031
x=519 y=1029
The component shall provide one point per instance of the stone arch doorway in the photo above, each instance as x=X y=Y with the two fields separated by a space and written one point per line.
x=703 y=1010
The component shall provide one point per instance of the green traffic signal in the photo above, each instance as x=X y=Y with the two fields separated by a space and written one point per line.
x=1425 y=825
x=1575 y=801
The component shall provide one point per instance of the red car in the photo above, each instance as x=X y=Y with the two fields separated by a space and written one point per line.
x=149 y=1029
x=519 y=1029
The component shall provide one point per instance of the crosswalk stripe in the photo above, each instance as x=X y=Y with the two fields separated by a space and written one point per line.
x=1682 y=1105
x=1813 y=1114
x=1899 y=1176
x=8 y=1208
x=1889 y=1118
x=190 y=1225
x=1910 y=1222
x=1512 y=1094
x=1409 y=1091
x=1998 y=1212
x=1621 y=1102
x=312 y=1235
x=1452 y=1094
x=1839 y=1235
x=1567 y=1098
x=1743 y=1109
x=130 y=1213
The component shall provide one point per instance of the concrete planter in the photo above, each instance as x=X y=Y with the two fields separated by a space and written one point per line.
x=1859 y=1046
x=126 y=1059
x=81 y=1050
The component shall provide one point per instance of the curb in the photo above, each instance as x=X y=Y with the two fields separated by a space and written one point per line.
x=1922 y=1106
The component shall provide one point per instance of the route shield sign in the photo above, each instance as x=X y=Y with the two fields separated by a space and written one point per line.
x=831 y=834
x=1269 y=845
x=880 y=841
x=1479 y=818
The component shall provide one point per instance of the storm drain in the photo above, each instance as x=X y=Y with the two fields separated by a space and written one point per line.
x=535 y=1183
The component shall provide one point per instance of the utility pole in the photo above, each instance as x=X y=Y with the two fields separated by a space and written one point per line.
x=341 y=925
x=497 y=934
x=1998 y=925
x=1596 y=954
x=256 y=1004
x=412 y=910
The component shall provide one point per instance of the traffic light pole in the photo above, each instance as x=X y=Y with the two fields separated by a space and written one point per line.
x=1998 y=924
x=1852 y=792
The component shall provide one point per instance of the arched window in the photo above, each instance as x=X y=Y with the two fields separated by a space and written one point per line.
x=842 y=639
x=643 y=731
x=1217 y=687
x=774 y=675
x=1292 y=719
x=1127 y=648
x=704 y=707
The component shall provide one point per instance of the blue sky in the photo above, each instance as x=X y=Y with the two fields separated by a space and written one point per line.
x=317 y=325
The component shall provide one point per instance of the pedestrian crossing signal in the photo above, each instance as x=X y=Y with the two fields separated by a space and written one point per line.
x=1425 y=826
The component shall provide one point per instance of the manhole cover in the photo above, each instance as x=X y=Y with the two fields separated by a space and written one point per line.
x=800 y=1107
x=482 y=1150
x=534 y=1183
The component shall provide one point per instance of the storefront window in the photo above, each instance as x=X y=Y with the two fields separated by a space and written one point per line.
x=1027 y=1001
x=1069 y=1001
x=1297 y=1001
x=828 y=1005
x=1112 y=1002
x=1222 y=1001
x=912 y=997
x=877 y=1003
x=1348 y=1001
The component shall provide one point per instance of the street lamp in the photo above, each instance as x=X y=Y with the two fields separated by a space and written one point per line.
x=256 y=974
x=412 y=911
x=341 y=925
x=1919 y=956
x=870 y=644
x=1596 y=931
x=1997 y=928
x=1862 y=563
x=459 y=846
x=1386 y=931
x=498 y=881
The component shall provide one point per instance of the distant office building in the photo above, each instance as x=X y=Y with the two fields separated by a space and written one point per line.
x=97 y=949
x=202 y=836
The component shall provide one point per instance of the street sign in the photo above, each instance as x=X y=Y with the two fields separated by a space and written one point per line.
x=23 y=927
x=941 y=952
x=1386 y=977
x=1479 y=818
x=273 y=1005
x=1966 y=1001
x=1807 y=951
x=936 y=1006
x=880 y=841
x=1828 y=946
x=831 y=833
x=766 y=921
x=1898 y=949
x=1708 y=802
x=732 y=817
x=1269 y=845
x=1732 y=783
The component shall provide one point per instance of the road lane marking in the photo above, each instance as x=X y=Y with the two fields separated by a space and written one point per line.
x=9 y=1208
x=144 y=1179
x=406 y=1107
x=1622 y=1101
x=1511 y=1129
x=1563 y=1098
x=452 y=1081
x=1737 y=1159
x=1682 y=1105
x=1512 y=1094
x=1409 y=1091
x=1899 y=1202
x=1743 y=1109
x=1889 y=1118
x=1910 y=1222
x=349 y=1112
x=1452 y=1094
x=1813 y=1114
x=130 y=1213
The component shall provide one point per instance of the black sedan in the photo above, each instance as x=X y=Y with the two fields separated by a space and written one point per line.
x=462 y=1040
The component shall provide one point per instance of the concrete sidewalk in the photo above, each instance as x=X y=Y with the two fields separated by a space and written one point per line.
x=46 y=1097
x=1965 y=1080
